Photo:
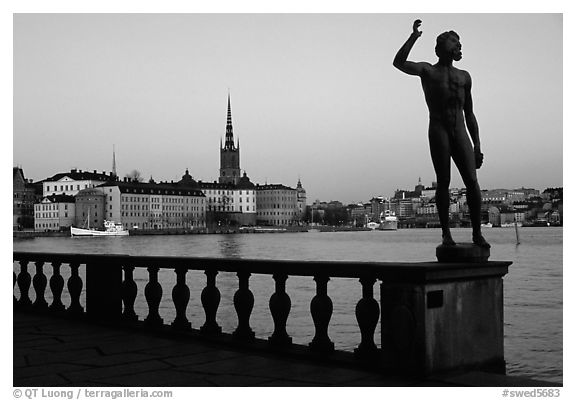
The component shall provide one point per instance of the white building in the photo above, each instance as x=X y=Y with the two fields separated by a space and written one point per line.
x=54 y=213
x=277 y=205
x=237 y=202
x=145 y=206
x=70 y=183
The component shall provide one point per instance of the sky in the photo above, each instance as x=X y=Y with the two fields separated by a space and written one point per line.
x=314 y=97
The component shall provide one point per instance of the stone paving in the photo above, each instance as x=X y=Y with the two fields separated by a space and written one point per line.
x=57 y=352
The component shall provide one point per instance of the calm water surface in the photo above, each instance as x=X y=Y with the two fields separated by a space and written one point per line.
x=532 y=288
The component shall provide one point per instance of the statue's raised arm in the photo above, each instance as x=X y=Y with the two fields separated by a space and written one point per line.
x=401 y=60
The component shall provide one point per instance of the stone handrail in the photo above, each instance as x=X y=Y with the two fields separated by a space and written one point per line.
x=434 y=316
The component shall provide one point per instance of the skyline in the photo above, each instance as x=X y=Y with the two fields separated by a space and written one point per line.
x=319 y=87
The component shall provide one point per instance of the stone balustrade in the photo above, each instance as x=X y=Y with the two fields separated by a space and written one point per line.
x=434 y=316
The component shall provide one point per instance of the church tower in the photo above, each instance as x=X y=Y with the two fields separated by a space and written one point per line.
x=301 y=197
x=229 y=154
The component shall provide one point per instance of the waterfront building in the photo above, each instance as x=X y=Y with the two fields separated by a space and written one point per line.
x=54 y=213
x=428 y=193
x=377 y=206
x=528 y=192
x=359 y=213
x=511 y=217
x=277 y=205
x=70 y=183
x=139 y=205
x=454 y=207
x=494 y=216
x=230 y=204
x=90 y=206
x=24 y=196
x=427 y=209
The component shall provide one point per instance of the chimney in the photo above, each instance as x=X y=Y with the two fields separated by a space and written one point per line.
x=95 y=172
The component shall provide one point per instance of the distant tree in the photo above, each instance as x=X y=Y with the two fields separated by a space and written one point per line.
x=135 y=175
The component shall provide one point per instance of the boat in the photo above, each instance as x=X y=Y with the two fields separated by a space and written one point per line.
x=260 y=229
x=388 y=221
x=110 y=229
x=372 y=225
x=511 y=225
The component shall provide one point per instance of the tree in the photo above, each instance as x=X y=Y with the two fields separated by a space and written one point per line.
x=135 y=175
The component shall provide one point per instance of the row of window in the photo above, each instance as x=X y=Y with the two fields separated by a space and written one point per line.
x=276 y=198
x=267 y=213
x=179 y=200
x=229 y=208
x=44 y=215
x=227 y=192
x=164 y=215
x=67 y=187
x=265 y=206
x=46 y=207
x=220 y=200
x=47 y=225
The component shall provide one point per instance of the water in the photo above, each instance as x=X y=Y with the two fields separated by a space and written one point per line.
x=532 y=288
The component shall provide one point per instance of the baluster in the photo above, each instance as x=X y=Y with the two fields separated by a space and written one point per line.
x=56 y=286
x=15 y=302
x=40 y=282
x=75 y=285
x=321 y=310
x=129 y=292
x=367 y=315
x=280 y=305
x=24 y=281
x=210 y=298
x=180 y=297
x=243 y=303
x=153 y=294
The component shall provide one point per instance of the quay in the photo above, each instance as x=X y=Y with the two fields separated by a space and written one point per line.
x=441 y=324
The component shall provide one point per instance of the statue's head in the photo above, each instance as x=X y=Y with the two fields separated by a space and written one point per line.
x=448 y=45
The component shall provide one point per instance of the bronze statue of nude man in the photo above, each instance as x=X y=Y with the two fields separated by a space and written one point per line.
x=447 y=91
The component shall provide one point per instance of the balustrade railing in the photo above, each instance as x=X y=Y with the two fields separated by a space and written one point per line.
x=407 y=305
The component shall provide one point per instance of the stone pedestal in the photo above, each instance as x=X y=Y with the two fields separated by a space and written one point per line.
x=462 y=252
x=444 y=316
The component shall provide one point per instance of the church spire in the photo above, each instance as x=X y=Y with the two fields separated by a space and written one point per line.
x=114 y=161
x=229 y=143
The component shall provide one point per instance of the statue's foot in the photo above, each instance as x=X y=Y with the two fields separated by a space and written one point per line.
x=479 y=240
x=448 y=241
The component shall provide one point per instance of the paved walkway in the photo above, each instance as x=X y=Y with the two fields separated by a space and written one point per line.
x=56 y=352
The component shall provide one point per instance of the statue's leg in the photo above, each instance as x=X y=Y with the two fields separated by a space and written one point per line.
x=440 y=152
x=466 y=164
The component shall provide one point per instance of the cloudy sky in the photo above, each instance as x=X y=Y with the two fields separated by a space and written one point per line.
x=313 y=96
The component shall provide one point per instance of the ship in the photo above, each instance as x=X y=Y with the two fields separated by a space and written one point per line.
x=388 y=221
x=110 y=229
